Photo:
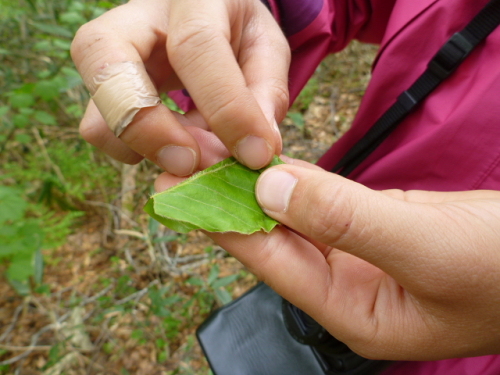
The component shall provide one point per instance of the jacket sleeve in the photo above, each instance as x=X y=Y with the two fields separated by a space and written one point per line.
x=315 y=28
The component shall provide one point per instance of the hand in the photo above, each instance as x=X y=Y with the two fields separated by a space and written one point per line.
x=395 y=275
x=229 y=54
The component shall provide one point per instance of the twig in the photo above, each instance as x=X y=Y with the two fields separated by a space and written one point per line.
x=17 y=312
x=137 y=295
x=142 y=236
x=13 y=348
x=333 y=111
x=103 y=335
x=186 y=268
x=30 y=348
x=130 y=260
x=60 y=292
x=130 y=233
x=33 y=299
x=45 y=153
x=164 y=253
x=3 y=145
x=96 y=296
x=151 y=247
x=112 y=208
x=191 y=258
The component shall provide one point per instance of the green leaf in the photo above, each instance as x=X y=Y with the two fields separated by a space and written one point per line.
x=166 y=238
x=42 y=46
x=53 y=29
x=223 y=296
x=21 y=100
x=214 y=274
x=26 y=111
x=47 y=90
x=38 y=266
x=21 y=120
x=45 y=118
x=224 y=281
x=153 y=226
x=297 y=118
x=20 y=268
x=22 y=239
x=74 y=110
x=3 y=110
x=24 y=139
x=62 y=44
x=72 y=18
x=105 y=4
x=219 y=199
x=21 y=287
x=12 y=203
x=72 y=77
x=196 y=281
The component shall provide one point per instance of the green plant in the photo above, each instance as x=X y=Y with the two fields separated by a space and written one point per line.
x=25 y=229
x=41 y=99
x=306 y=96
x=297 y=119
x=220 y=198
x=213 y=288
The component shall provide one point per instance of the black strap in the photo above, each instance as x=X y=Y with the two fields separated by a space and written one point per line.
x=442 y=65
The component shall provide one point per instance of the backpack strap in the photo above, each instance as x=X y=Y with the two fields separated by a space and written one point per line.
x=442 y=65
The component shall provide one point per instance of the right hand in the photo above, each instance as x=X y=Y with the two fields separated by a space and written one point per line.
x=230 y=55
x=394 y=275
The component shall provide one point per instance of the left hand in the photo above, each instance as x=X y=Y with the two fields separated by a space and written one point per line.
x=395 y=275
x=231 y=56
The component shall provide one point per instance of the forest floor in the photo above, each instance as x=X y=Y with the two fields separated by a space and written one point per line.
x=124 y=296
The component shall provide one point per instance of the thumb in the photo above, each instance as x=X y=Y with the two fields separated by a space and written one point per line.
x=385 y=231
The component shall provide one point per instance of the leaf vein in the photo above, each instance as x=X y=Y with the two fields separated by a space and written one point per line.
x=215 y=207
x=234 y=185
x=225 y=197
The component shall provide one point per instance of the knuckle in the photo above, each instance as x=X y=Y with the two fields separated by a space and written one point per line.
x=88 y=48
x=369 y=349
x=85 y=37
x=280 y=44
x=223 y=106
x=93 y=132
x=191 y=48
x=281 y=97
x=87 y=131
x=331 y=218
x=77 y=45
x=186 y=40
x=266 y=259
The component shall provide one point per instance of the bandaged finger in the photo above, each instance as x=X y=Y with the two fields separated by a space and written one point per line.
x=121 y=90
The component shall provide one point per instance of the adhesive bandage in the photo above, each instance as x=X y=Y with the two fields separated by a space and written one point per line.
x=120 y=90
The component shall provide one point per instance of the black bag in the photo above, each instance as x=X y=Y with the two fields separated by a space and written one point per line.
x=253 y=336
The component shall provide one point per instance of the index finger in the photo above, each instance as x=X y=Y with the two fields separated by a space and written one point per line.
x=204 y=47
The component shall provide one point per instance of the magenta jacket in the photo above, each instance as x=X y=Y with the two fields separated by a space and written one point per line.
x=451 y=142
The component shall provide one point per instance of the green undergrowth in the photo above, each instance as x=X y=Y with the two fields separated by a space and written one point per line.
x=46 y=169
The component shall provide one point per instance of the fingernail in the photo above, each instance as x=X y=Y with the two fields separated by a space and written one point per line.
x=254 y=152
x=274 y=190
x=278 y=134
x=177 y=160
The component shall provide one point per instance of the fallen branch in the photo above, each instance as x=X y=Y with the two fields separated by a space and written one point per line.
x=30 y=348
x=14 y=348
x=137 y=295
x=11 y=326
